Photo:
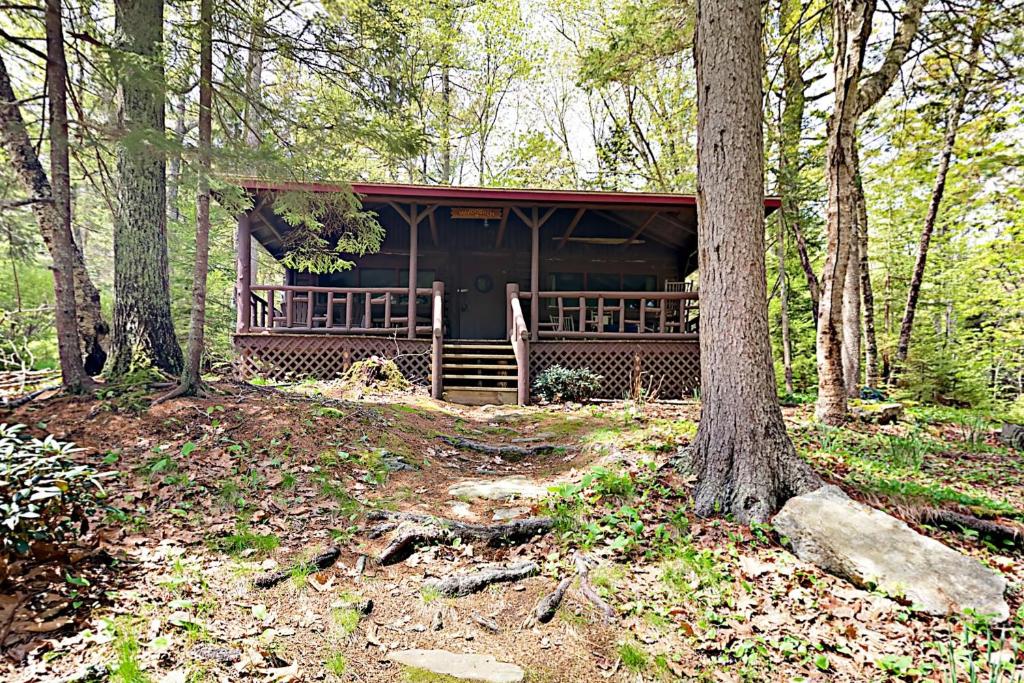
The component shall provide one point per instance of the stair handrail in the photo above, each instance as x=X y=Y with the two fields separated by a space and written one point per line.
x=437 y=338
x=519 y=335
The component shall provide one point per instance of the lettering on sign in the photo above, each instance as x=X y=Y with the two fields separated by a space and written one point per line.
x=478 y=212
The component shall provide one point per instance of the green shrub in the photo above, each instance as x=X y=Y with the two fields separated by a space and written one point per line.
x=44 y=496
x=559 y=383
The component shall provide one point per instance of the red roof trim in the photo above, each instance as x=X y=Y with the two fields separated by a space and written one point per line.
x=443 y=192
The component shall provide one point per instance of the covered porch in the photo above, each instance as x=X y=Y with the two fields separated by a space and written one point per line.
x=480 y=289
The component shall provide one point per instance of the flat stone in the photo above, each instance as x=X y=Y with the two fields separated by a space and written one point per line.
x=870 y=548
x=505 y=514
x=879 y=413
x=466 y=667
x=500 y=489
x=1012 y=435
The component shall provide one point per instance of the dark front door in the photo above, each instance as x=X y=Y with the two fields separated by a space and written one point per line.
x=480 y=297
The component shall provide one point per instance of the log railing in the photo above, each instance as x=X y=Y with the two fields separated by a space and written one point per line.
x=343 y=310
x=519 y=335
x=614 y=315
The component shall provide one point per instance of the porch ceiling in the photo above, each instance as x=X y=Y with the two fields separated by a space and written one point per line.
x=668 y=219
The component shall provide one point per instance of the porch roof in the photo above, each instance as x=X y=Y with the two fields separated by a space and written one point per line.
x=669 y=218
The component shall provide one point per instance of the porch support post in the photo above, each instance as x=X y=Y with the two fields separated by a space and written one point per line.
x=534 y=276
x=243 y=273
x=414 y=223
x=437 y=338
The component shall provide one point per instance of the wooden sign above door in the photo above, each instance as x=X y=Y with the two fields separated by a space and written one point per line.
x=476 y=212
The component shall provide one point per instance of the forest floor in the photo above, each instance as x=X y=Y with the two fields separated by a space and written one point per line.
x=213 y=493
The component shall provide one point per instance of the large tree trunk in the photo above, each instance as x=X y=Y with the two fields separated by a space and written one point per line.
x=190 y=377
x=54 y=227
x=174 y=163
x=953 y=115
x=143 y=328
x=743 y=458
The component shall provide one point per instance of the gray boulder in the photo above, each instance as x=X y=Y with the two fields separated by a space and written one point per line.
x=466 y=667
x=1012 y=435
x=879 y=413
x=870 y=548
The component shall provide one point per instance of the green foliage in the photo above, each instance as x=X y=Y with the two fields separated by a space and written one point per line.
x=245 y=539
x=558 y=383
x=44 y=495
x=325 y=227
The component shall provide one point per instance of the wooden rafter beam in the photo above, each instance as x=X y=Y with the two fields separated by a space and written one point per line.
x=640 y=229
x=501 y=227
x=572 y=226
x=433 y=227
x=633 y=226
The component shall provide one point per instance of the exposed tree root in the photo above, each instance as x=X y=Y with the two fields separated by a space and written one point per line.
x=549 y=604
x=321 y=561
x=19 y=401
x=418 y=530
x=583 y=571
x=510 y=452
x=182 y=389
x=459 y=585
x=995 y=531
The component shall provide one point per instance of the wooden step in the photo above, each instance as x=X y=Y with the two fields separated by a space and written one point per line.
x=480 y=366
x=496 y=346
x=479 y=396
x=479 y=356
x=493 y=378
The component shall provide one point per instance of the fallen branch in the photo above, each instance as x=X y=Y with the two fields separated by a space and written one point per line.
x=321 y=561
x=995 y=531
x=19 y=401
x=508 y=452
x=465 y=584
x=583 y=572
x=428 y=530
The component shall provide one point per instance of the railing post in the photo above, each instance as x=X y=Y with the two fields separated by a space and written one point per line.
x=414 y=252
x=511 y=289
x=243 y=274
x=437 y=345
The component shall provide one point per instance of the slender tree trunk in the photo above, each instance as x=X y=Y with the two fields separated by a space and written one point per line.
x=867 y=294
x=851 y=28
x=56 y=229
x=745 y=463
x=790 y=133
x=855 y=94
x=953 y=115
x=143 y=328
x=446 y=125
x=190 y=377
x=92 y=328
x=174 y=163
x=851 y=302
x=787 y=343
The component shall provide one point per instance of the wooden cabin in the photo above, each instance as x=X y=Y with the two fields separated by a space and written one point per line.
x=477 y=290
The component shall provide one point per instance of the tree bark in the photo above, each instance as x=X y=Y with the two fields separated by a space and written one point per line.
x=190 y=376
x=851 y=309
x=851 y=28
x=143 y=328
x=790 y=133
x=174 y=163
x=953 y=115
x=854 y=95
x=867 y=294
x=55 y=228
x=745 y=463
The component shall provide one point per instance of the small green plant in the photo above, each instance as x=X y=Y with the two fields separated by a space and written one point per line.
x=44 y=496
x=126 y=667
x=633 y=658
x=345 y=620
x=558 y=383
x=429 y=594
x=245 y=539
x=336 y=664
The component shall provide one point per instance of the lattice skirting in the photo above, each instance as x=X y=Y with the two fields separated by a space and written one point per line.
x=669 y=369
x=322 y=356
